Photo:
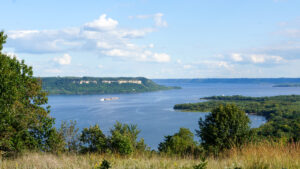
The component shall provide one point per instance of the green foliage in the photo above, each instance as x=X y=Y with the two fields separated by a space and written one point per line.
x=181 y=143
x=24 y=121
x=124 y=139
x=121 y=144
x=93 y=140
x=72 y=85
x=2 y=40
x=226 y=127
x=55 y=142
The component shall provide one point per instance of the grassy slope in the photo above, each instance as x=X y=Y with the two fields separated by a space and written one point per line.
x=252 y=156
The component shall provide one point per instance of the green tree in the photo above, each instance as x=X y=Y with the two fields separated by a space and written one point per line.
x=225 y=127
x=93 y=140
x=121 y=144
x=24 y=121
x=124 y=139
x=181 y=143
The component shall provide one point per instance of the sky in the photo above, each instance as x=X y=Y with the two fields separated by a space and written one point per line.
x=155 y=38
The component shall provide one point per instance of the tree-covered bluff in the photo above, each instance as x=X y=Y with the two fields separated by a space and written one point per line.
x=99 y=85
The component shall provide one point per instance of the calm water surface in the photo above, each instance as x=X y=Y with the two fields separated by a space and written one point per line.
x=153 y=112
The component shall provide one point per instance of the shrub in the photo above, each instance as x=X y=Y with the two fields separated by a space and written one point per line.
x=124 y=139
x=93 y=140
x=121 y=144
x=181 y=143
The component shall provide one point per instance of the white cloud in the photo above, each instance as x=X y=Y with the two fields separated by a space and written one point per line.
x=64 y=60
x=100 y=36
x=257 y=58
x=44 y=41
x=223 y=64
x=157 y=18
x=100 y=66
x=263 y=58
x=102 y=24
x=159 y=21
x=103 y=45
x=161 y=57
x=151 y=45
x=117 y=52
x=136 y=33
x=237 y=57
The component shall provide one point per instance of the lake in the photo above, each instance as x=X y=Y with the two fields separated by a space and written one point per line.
x=153 y=112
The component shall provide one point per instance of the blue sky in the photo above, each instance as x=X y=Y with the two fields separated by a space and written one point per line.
x=155 y=39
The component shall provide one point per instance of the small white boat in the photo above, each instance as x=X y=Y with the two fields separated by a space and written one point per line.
x=109 y=99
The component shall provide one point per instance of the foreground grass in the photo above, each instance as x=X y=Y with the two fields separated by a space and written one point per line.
x=251 y=157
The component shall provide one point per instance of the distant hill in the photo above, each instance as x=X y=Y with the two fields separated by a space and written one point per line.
x=98 y=85
x=288 y=85
x=232 y=80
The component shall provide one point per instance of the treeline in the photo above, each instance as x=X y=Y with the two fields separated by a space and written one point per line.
x=282 y=112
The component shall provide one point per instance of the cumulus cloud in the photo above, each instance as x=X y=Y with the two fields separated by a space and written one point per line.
x=64 y=60
x=44 y=41
x=102 y=24
x=101 y=36
x=161 y=57
x=256 y=58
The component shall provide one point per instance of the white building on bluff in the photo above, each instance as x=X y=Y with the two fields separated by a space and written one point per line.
x=122 y=81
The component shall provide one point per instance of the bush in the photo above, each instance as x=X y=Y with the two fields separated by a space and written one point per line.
x=121 y=144
x=124 y=139
x=181 y=143
x=93 y=140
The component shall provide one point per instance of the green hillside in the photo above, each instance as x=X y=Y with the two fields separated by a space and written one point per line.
x=96 y=85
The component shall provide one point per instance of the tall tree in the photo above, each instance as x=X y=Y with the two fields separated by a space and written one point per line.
x=24 y=121
x=227 y=126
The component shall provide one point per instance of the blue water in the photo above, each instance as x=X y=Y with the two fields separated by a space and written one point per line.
x=153 y=112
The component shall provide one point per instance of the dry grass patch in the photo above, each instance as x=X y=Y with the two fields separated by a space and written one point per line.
x=261 y=156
